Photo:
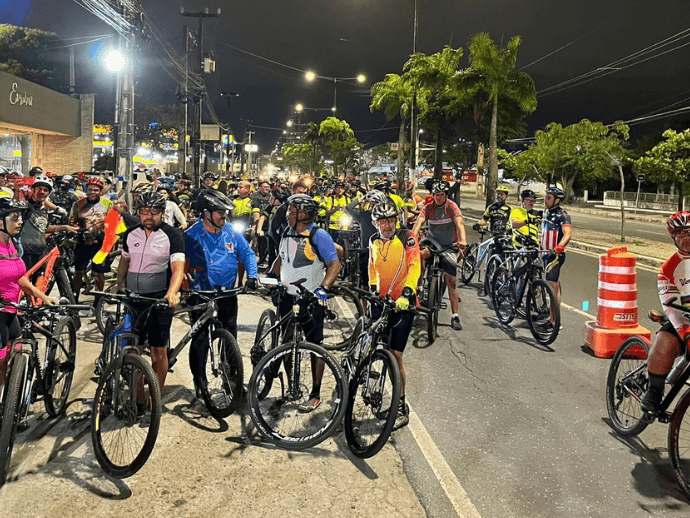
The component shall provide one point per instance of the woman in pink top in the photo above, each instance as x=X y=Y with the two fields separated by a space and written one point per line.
x=12 y=280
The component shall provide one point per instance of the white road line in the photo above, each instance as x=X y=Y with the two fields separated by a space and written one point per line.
x=596 y=255
x=454 y=491
x=578 y=311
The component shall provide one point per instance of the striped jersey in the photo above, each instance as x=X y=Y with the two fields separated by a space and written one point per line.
x=674 y=281
x=555 y=219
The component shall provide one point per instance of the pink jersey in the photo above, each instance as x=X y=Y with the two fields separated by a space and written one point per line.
x=674 y=281
x=11 y=270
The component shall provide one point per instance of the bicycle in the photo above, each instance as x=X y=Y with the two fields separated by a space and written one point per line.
x=28 y=377
x=475 y=255
x=374 y=382
x=275 y=407
x=502 y=244
x=433 y=283
x=626 y=384
x=518 y=283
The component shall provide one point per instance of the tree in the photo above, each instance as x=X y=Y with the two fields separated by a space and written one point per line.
x=669 y=160
x=439 y=99
x=297 y=156
x=394 y=95
x=105 y=162
x=340 y=142
x=493 y=73
x=312 y=137
x=25 y=53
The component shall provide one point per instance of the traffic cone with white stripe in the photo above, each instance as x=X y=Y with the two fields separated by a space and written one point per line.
x=617 y=318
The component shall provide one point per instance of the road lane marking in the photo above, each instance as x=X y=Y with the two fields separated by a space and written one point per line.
x=454 y=491
x=596 y=255
x=578 y=311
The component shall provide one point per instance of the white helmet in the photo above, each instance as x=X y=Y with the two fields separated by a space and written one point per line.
x=43 y=181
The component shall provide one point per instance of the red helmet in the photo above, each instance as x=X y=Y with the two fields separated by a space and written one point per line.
x=678 y=221
x=95 y=180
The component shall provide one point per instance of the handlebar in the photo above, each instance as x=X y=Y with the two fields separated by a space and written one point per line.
x=45 y=307
x=133 y=297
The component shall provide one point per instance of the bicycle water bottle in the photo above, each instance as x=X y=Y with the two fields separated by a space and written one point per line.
x=677 y=371
x=126 y=328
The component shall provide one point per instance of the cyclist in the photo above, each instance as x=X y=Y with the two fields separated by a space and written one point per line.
x=5 y=191
x=12 y=279
x=242 y=218
x=307 y=251
x=214 y=250
x=445 y=224
x=361 y=211
x=556 y=231
x=261 y=201
x=394 y=269
x=525 y=220
x=173 y=215
x=63 y=196
x=335 y=206
x=266 y=221
x=498 y=213
x=672 y=338
x=152 y=265
x=89 y=215
x=385 y=187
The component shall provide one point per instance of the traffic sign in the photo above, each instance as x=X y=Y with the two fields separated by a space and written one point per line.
x=640 y=178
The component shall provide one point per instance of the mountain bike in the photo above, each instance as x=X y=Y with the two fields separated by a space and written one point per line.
x=518 y=287
x=281 y=380
x=374 y=381
x=28 y=377
x=626 y=384
x=433 y=283
x=475 y=253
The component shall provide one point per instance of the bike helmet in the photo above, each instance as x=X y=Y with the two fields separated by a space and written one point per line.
x=440 y=186
x=375 y=197
x=150 y=199
x=209 y=174
x=556 y=192
x=281 y=195
x=304 y=203
x=528 y=193
x=502 y=188
x=36 y=171
x=9 y=205
x=678 y=221
x=43 y=181
x=384 y=211
x=384 y=185
x=142 y=187
x=212 y=200
x=94 y=180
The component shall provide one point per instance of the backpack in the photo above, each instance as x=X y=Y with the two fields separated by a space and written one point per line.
x=310 y=237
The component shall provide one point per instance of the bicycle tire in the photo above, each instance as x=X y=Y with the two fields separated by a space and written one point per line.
x=503 y=295
x=261 y=346
x=14 y=385
x=543 y=312
x=372 y=406
x=222 y=388
x=102 y=309
x=345 y=262
x=340 y=321
x=679 y=442
x=625 y=415
x=66 y=289
x=469 y=263
x=277 y=416
x=59 y=372
x=103 y=416
x=433 y=309
x=491 y=265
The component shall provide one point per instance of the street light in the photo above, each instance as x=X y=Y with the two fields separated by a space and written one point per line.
x=114 y=61
x=311 y=76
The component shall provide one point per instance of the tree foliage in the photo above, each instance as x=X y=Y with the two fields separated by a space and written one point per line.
x=26 y=53
x=298 y=157
x=340 y=143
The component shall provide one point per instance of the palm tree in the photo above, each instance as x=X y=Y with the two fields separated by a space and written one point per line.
x=394 y=95
x=340 y=141
x=312 y=137
x=493 y=72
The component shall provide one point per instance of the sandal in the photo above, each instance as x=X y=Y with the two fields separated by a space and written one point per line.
x=311 y=405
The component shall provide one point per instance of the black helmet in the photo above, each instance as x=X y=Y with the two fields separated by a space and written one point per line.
x=209 y=174
x=36 y=171
x=151 y=199
x=281 y=195
x=304 y=203
x=384 y=210
x=440 y=186
x=528 y=193
x=8 y=205
x=384 y=185
x=556 y=192
x=212 y=200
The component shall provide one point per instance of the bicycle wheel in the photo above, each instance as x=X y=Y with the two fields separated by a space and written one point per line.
x=105 y=308
x=10 y=412
x=263 y=343
x=341 y=316
x=469 y=263
x=626 y=383
x=679 y=442
x=491 y=265
x=223 y=375
x=503 y=295
x=345 y=262
x=277 y=416
x=543 y=312
x=372 y=404
x=434 y=307
x=61 y=359
x=124 y=431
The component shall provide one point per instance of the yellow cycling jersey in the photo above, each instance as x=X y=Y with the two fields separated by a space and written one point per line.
x=336 y=219
x=243 y=207
x=395 y=263
x=520 y=214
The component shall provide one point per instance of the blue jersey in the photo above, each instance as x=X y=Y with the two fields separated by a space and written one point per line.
x=216 y=254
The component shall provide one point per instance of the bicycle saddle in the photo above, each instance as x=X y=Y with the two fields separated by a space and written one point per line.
x=432 y=244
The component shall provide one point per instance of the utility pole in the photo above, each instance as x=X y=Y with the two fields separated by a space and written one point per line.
x=414 y=155
x=249 y=152
x=184 y=97
x=206 y=66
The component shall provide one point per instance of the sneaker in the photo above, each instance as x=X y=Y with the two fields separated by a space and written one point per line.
x=198 y=406
x=311 y=405
x=455 y=323
x=650 y=401
x=403 y=417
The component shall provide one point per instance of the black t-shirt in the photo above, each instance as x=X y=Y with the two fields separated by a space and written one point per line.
x=33 y=235
x=498 y=214
x=278 y=223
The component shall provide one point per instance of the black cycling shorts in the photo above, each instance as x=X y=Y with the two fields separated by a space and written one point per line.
x=83 y=254
x=151 y=323
x=669 y=328
x=555 y=272
x=311 y=317
x=399 y=326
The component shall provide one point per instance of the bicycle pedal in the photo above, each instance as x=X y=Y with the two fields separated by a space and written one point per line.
x=374 y=375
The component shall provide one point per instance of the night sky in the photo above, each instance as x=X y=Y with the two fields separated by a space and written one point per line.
x=344 y=38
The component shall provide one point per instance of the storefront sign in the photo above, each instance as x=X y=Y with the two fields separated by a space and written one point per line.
x=19 y=98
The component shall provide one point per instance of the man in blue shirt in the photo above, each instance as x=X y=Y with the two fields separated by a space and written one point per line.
x=214 y=250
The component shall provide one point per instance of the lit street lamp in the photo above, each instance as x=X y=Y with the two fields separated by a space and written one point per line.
x=114 y=61
x=311 y=76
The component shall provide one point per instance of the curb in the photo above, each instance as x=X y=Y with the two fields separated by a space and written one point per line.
x=609 y=213
x=642 y=259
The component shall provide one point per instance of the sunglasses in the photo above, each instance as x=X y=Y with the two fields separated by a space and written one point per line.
x=153 y=212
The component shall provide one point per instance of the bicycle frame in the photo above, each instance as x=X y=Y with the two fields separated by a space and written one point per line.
x=42 y=282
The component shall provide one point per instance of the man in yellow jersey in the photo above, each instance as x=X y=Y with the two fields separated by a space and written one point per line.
x=394 y=269
x=241 y=220
x=525 y=220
